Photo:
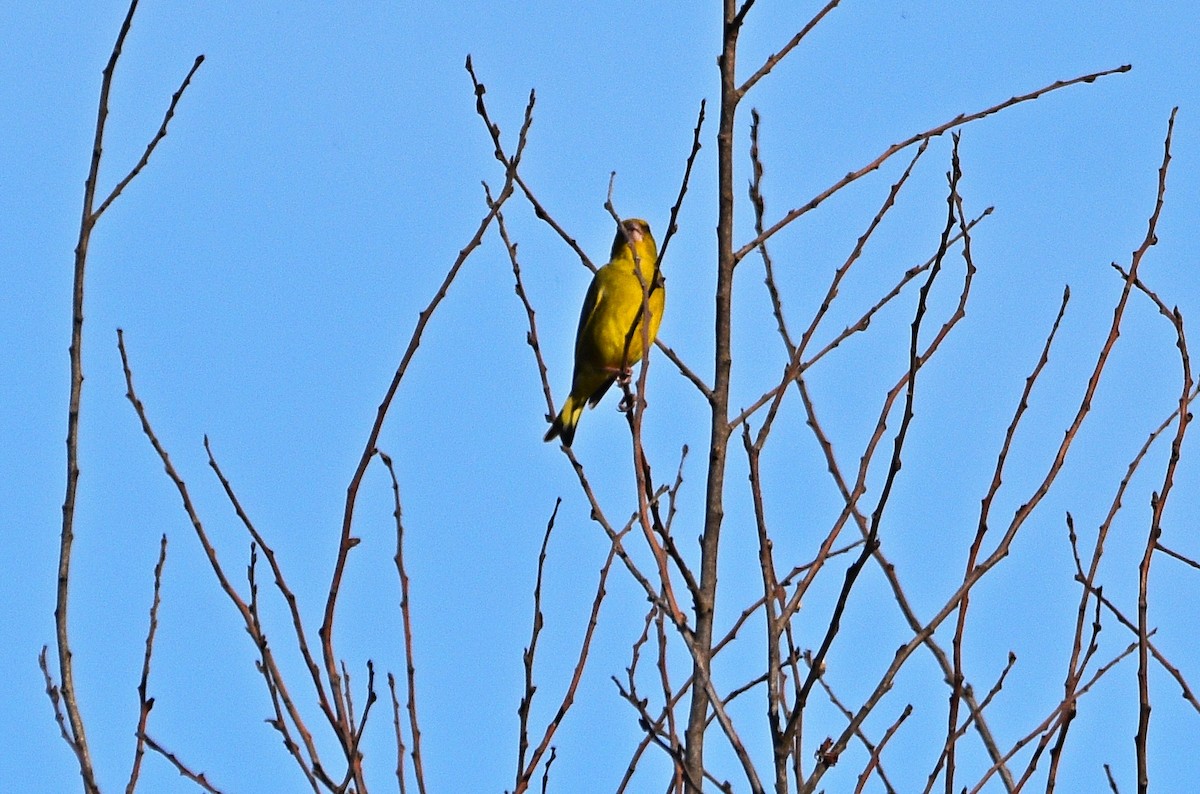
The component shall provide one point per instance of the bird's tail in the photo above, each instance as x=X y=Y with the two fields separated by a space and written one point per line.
x=566 y=421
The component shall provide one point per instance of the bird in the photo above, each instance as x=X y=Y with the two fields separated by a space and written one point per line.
x=609 y=340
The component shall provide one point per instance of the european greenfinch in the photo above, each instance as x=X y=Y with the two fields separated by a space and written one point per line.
x=610 y=339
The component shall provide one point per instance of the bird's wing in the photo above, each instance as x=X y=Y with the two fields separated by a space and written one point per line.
x=590 y=301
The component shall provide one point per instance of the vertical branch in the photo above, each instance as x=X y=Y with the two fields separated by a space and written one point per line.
x=546 y=769
x=771 y=590
x=669 y=700
x=531 y=650
x=524 y=776
x=957 y=679
x=275 y=689
x=77 y=737
x=399 y=735
x=714 y=510
x=409 y=666
x=146 y=702
x=1158 y=500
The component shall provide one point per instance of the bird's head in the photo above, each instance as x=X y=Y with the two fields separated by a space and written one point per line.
x=634 y=232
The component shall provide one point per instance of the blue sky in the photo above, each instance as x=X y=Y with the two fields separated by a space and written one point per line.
x=321 y=174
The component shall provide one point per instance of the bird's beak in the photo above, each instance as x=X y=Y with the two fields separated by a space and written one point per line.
x=634 y=234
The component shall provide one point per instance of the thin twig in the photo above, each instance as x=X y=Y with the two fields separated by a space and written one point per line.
x=1158 y=500
x=54 y=694
x=400 y=777
x=856 y=567
x=850 y=497
x=1112 y=783
x=277 y=693
x=347 y=540
x=847 y=713
x=510 y=163
x=546 y=769
x=1047 y=727
x=568 y=698
x=957 y=677
x=856 y=327
x=270 y=668
x=531 y=338
x=796 y=352
x=196 y=777
x=873 y=763
x=668 y=235
x=281 y=584
x=410 y=667
x=776 y=57
x=672 y=225
x=932 y=132
x=1176 y=555
x=145 y=702
x=530 y=654
x=158 y=136
x=975 y=715
x=1098 y=594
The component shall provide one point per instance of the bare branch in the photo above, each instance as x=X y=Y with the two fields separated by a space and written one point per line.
x=511 y=163
x=869 y=546
x=568 y=699
x=196 y=777
x=145 y=702
x=932 y=132
x=874 y=762
x=546 y=769
x=281 y=584
x=796 y=369
x=1158 y=501
x=1176 y=555
x=1112 y=784
x=347 y=541
x=1049 y=725
x=278 y=693
x=531 y=338
x=531 y=651
x=776 y=57
x=76 y=736
x=672 y=226
x=400 y=781
x=55 y=695
x=410 y=667
x=269 y=668
x=158 y=136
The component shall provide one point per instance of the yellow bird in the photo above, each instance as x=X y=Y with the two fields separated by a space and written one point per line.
x=609 y=339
